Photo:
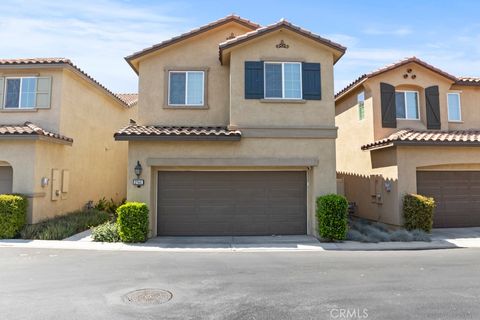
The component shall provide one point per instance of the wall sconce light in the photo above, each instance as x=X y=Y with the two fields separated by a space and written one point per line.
x=138 y=169
x=388 y=186
x=44 y=182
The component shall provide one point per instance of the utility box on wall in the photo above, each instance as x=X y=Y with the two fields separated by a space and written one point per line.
x=56 y=183
x=65 y=183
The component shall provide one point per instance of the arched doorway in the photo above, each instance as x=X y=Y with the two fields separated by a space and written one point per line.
x=6 y=177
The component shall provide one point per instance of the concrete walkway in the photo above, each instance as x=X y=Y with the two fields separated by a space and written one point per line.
x=442 y=240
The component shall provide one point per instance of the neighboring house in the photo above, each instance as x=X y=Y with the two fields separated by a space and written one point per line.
x=411 y=128
x=235 y=130
x=56 y=143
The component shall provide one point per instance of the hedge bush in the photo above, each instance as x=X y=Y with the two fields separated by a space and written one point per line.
x=62 y=227
x=13 y=215
x=107 y=232
x=418 y=212
x=133 y=222
x=332 y=217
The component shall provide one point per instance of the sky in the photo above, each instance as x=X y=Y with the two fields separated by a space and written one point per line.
x=97 y=34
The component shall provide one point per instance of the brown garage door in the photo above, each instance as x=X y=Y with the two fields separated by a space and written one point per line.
x=6 y=175
x=457 y=194
x=194 y=203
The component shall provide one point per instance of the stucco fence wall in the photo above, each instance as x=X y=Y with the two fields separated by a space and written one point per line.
x=315 y=156
x=398 y=166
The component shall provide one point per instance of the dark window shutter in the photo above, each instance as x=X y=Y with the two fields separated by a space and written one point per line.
x=254 y=80
x=433 y=107
x=311 y=81
x=389 y=109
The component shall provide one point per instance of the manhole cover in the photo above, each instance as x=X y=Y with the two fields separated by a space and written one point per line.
x=146 y=297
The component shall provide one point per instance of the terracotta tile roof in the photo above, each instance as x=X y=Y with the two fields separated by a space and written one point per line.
x=192 y=33
x=60 y=61
x=129 y=98
x=469 y=81
x=30 y=129
x=421 y=137
x=280 y=24
x=389 y=67
x=134 y=132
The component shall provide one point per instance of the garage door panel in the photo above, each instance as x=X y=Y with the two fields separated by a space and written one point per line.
x=231 y=203
x=457 y=196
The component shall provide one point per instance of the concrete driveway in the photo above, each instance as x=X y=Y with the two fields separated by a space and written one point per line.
x=456 y=233
x=460 y=237
x=244 y=242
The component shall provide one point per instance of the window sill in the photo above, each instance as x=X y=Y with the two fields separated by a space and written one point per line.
x=283 y=101
x=402 y=119
x=186 y=107
x=18 y=110
x=455 y=121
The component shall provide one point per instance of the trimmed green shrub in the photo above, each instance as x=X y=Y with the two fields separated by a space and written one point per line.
x=418 y=212
x=59 y=228
x=13 y=215
x=332 y=217
x=107 y=232
x=133 y=222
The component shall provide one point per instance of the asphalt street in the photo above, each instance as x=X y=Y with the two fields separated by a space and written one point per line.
x=74 y=284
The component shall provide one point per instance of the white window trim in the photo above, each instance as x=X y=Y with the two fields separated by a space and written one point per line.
x=283 y=82
x=19 y=94
x=418 y=105
x=459 y=107
x=186 y=89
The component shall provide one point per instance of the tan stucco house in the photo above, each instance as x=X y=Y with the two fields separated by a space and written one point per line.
x=235 y=131
x=411 y=128
x=56 y=144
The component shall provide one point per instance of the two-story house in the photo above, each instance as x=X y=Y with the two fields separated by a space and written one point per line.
x=235 y=132
x=56 y=144
x=411 y=128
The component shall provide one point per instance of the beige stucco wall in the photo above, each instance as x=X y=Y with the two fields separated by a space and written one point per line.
x=48 y=119
x=227 y=106
x=470 y=106
x=97 y=164
x=424 y=78
x=398 y=165
x=322 y=178
x=258 y=113
x=198 y=52
x=356 y=167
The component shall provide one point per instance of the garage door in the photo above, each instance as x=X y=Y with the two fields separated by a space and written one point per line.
x=219 y=203
x=457 y=194
x=6 y=175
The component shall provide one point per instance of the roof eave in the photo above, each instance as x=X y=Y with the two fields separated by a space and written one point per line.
x=424 y=144
x=124 y=137
x=335 y=47
x=35 y=137
x=175 y=40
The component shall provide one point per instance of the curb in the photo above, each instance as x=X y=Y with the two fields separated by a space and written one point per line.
x=268 y=247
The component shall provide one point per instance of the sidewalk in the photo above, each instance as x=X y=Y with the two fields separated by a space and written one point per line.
x=241 y=244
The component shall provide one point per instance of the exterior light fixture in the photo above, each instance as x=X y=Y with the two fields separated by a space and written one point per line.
x=138 y=169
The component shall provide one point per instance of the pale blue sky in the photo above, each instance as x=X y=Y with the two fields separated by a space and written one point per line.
x=97 y=34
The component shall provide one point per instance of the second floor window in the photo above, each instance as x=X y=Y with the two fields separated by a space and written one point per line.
x=186 y=88
x=20 y=93
x=454 y=112
x=407 y=105
x=283 y=80
x=361 y=105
